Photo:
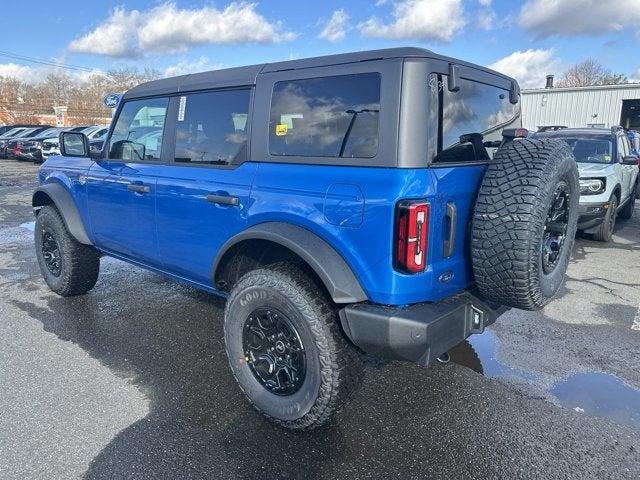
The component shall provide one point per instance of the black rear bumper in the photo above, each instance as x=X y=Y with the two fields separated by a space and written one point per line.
x=418 y=333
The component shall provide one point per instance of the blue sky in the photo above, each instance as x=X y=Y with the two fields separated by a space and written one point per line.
x=526 y=39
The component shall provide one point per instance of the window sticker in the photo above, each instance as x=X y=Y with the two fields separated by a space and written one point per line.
x=607 y=158
x=182 y=108
x=281 y=129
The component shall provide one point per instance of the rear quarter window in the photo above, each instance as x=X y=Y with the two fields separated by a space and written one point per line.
x=466 y=121
x=333 y=116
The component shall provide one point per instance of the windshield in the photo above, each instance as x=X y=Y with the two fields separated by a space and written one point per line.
x=26 y=133
x=12 y=132
x=50 y=132
x=590 y=148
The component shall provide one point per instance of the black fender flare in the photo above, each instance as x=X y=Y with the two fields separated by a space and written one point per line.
x=326 y=262
x=65 y=204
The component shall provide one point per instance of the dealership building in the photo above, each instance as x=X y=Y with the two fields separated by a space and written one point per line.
x=597 y=106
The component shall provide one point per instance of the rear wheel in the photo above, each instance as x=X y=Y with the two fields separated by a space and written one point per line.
x=524 y=223
x=286 y=349
x=604 y=233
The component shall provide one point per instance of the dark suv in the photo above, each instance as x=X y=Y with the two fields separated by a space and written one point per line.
x=368 y=202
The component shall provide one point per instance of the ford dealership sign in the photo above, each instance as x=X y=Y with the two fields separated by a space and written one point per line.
x=111 y=100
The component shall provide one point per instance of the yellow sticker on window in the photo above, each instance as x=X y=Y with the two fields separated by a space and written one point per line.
x=607 y=158
x=281 y=129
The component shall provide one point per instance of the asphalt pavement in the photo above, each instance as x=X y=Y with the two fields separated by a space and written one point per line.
x=131 y=381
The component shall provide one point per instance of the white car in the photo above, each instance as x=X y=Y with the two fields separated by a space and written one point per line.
x=608 y=174
x=50 y=146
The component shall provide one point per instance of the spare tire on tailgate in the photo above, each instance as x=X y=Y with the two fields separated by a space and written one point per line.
x=524 y=222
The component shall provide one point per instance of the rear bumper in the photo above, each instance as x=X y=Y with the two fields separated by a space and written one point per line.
x=418 y=333
x=591 y=214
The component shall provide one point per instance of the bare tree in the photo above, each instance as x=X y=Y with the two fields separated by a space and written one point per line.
x=590 y=72
x=23 y=102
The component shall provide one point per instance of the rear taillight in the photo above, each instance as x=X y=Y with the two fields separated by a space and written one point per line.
x=411 y=231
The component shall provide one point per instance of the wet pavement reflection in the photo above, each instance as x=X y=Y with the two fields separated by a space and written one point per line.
x=601 y=395
x=592 y=393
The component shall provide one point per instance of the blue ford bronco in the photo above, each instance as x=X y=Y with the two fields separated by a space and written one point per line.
x=378 y=202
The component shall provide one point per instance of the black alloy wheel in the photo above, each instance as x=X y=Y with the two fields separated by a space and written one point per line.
x=51 y=253
x=555 y=228
x=274 y=351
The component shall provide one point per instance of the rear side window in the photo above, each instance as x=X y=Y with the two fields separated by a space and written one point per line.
x=326 y=117
x=467 y=120
x=211 y=128
x=137 y=135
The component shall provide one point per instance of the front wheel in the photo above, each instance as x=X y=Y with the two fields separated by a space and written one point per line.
x=604 y=233
x=627 y=211
x=68 y=266
x=286 y=349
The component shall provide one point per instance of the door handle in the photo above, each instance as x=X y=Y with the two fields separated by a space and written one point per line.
x=452 y=216
x=138 y=188
x=223 y=199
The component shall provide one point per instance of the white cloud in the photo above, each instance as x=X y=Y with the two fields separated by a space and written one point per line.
x=35 y=74
x=20 y=72
x=167 y=28
x=116 y=37
x=528 y=67
x=578 y=17
x=486 y=19
x=185 y=66
x=419 y=19
x=485 y=3
x=336 y=28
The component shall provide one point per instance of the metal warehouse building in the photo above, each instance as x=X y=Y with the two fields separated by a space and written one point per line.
x=601 y=106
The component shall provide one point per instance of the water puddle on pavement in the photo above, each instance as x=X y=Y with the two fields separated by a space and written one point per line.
x=479 y=354
x=31 y=226
x=592 y=393
x=600 y=395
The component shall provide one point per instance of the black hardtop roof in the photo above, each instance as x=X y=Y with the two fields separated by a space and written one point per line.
x=240 y=76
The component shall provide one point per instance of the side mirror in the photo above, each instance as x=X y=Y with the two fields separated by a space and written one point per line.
x=74 y=144
x=629 y=160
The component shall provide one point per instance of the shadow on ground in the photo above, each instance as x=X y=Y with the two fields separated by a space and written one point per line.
x=406 y=422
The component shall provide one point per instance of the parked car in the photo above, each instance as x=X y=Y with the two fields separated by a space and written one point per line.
x=340 y=204
x=31 y=148
x=4 y=139
x=14 y=144
x=608 y=176
x=5 y=128
x=50 y=146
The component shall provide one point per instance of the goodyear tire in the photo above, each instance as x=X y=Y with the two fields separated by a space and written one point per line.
x=524 y=223
x=68 y=267
x=285 y=347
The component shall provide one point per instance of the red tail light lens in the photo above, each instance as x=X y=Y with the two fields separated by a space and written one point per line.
x=412 y=229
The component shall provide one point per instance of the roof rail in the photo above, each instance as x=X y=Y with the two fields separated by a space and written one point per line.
x=553 y=128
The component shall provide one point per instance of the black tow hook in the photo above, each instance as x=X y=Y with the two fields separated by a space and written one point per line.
x=444 y=358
